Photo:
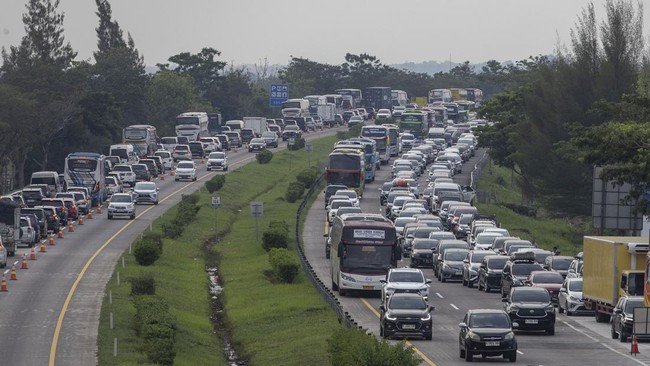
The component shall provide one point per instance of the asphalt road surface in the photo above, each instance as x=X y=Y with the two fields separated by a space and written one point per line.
x=577 y=340
x=50 y=315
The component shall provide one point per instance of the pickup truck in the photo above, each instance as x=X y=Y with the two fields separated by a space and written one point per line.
x=613 y=267
x=9 y=226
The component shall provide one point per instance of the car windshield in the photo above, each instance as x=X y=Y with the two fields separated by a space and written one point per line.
x=477 y=257
x=216 y=155
x=425 y=244
x=407 y=303
x=524 y=269
x=182 y=148
x=525 y=295
x=489 y=320
x=185 y=165
x=121 y=168
x=561 y=264
x=269 y=134
x=121 y=198
x=406 y=277
x=257 y=141
x=631 y=304
x=575 y=286
x=145 y=186
x=497 y=263
x=547 y=277
x=455 y=255
x=401 y=221
x=486 y=238
x=109 y=180
x=338 y=204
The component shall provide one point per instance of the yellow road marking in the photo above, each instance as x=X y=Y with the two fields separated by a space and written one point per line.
x=73 y=289
x=426 y=359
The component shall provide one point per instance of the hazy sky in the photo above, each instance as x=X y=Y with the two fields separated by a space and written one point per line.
x=246 y=31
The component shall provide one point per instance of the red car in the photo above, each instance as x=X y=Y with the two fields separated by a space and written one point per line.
x=551 y=281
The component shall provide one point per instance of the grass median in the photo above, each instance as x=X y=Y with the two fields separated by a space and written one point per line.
x=543 y=228
x=269 y=323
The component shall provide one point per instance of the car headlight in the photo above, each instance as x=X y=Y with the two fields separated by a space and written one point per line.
x=550 y=308
x=475 y=337
x=514 y=308
x=391 y=318
x=517 y=282
x=509 y=336
x=446 y=266
x=473 y=272
x=426 y=317
x=347 y=278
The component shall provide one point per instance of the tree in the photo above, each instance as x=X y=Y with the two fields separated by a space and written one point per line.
x=109 y=33
x=462 y=71
x=202 y=67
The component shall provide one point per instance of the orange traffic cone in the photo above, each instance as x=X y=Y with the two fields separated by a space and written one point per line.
x=635 y=346
x=23 y=265
x=90 y=215
x=162 y=176
x=60 y=233
x=81 y=220
x=42 y=248
x=12 y=273
x=171 y=172
x=32 y=255
x=99 y=209
x=3 y=284
x=70 y=227
x=50 y=240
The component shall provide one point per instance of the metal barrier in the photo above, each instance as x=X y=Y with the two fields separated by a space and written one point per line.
x=478 y=169
x=331 y=300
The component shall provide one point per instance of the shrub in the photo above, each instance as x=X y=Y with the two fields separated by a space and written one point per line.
x=157 y=327
x=152 y=310
x=294 y=191
x=172 y=230
x=146 y=252
x=281 y=225
x=275 y=238
x=144 y=284
x=308 y=176
x=349 y=346
x=264 y=156
x=155 y=237
x=215 y=183
x=160 y=351
x=191 y=199
x=284 y=265
x=298 y=144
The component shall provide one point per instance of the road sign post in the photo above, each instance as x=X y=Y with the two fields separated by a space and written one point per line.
x=257 y=210
x=309 y=148
x=216 y=202
x=290 y=144
x=278 y=94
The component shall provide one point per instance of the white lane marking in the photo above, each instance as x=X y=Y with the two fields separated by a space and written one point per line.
x=521 y=353
x=454 y=306
x=438 y=294
x=601 y=343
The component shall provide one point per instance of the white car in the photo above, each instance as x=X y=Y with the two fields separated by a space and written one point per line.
x=166 y=156
x=335 y=205
x=570 y=297
x=126 y=174
x=27 y=233
x=384 y=114
x=112 y=185
x=145 y=192
x=121 y=204
x=210 y=144
x=352 y=196
x=405 y=280
x=185 y=170
x=217 y=161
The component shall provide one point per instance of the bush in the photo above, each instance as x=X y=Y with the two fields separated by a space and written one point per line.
x=191 y=199
x=160 y=351
x=280 y=225
x=152 y=310
x=349 y=346
x=146 y=252
x=284 y=265
x=275 y=238
x=172 y=230
x=308 y=176
x=144 y=284
x=294 y=191
x=264 y=156
x=155 y=324
x=298 y=144
x=215 y=183
x=154 y=237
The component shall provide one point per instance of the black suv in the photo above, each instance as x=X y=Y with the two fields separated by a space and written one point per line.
x=247 y=135
x=531 y=308
x=196 y=148
x=623 y=317
x=517 y=270
x=406 y=315
x=151 y=166
x=487 y=333
x=489 y=272
x=422 y=252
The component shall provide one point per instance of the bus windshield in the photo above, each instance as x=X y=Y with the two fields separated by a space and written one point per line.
x=366 y=258
x=187 y=120
x=347 y=162
x=82 y=165
x=351 y=180
x=135 y=133
x=291 y=105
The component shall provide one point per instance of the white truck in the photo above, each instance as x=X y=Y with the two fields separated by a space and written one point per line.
x=326 y=112
x=257 y=124
x=295 y=108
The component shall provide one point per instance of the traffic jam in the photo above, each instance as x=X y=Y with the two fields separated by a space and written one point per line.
x=426 y=226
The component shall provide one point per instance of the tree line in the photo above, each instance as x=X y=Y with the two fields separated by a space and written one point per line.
x=588 y=105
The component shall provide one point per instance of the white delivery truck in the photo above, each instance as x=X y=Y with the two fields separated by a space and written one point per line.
x=326 y=112
x=257 y=124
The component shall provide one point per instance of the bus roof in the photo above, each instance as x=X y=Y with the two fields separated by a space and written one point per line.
x=192 y=114
x=140 y=126
x=85 y=155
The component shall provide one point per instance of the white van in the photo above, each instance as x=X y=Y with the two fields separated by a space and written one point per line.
x=235 y=124
x=126 y=152
x=436 y=133
x=50 y=178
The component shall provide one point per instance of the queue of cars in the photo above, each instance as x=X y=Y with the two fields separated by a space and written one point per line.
x=439 y=229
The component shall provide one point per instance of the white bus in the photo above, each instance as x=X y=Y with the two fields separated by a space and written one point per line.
x=362 y=249
x=87 y=169
x=142 y=137
x=192 y=125
x=440 y=95
x=295 y=108
x=399 y=98
x=357 y=97
x=379 y=133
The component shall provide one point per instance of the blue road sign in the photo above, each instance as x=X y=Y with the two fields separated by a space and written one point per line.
x=278 y=94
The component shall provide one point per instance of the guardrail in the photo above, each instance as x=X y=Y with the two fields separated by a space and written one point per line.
x=478 y=169
x=331 y=300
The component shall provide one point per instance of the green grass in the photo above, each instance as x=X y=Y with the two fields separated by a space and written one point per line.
x=270 y=324
x=544 y=229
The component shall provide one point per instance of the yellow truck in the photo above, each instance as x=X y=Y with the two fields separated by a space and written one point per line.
x=614 y=266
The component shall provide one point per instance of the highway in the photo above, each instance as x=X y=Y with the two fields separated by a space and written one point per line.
x=577 y=341
x=50 y=315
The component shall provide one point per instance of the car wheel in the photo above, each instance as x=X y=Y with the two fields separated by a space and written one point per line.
x=550 y=331
x=132 y=217
x=335 y=287
x=194 y=180
x=469 y=357
x=155 y=203
x=342 y=292
x=560 y=309
x=429 y=336
x=613 y=332
x=110 y=217
x=512 y=357
x=381 y=331
x=464 y=282
x=442 y=279
x=622 y=337
x=470 y=284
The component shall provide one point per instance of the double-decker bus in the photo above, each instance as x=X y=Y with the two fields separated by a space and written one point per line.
x=414 y=122
x=393 y=139
x=193 y=125
x=381 y=136
x=346 y=166
x=87 y=169
x=356 y=95
x=142 y=137
x=362 y=249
